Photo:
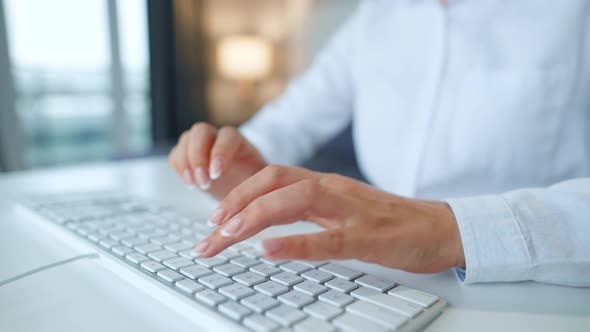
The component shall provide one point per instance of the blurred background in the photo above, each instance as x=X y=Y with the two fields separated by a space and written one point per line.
x=96 y=80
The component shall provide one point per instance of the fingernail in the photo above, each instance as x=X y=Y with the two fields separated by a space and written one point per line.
x=272 y=246
x=202 y=179
x=216 y=217
x=201 y=246
x=188 y=179
x=215 y=168
x=231 y=227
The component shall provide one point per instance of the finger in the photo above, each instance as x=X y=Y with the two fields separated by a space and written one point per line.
x=179 y=159
x=224 y=150
x=201 y=139
x=284 y=205
x=268 y=179
x=343 y=243
x=173 y=160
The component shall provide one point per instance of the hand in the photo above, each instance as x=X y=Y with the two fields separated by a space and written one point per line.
x=361 y=221
x=215 y=160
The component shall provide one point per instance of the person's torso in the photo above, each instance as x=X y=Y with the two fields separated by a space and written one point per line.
x=478 y=97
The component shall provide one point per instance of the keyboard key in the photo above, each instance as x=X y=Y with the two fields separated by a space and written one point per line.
x=244 y=261
x=265 y=270
x=335 y=298
x=295 y=267
x=210 y=262
x=147 y=248
x=132 y=242
x=195 y=271
x=353 y=323
x=228 y=270
x=377 y=314
x=374 y=283
x=341 y=285
x=286 y=278
x=322 y=310
x=189 y=254
x=161 y=255
x=136 y=258
x=228 y=254
x=122 y=250
x=310 y=288
x=415 y=296
x=152 y=266
x=249 y=279
x=317 y=276
x=178 y=246
x=169 y=275
x=188 y=286
x=177 y=263
x=215 y=281
x=295 y=299
x=273 y=262
x=312 y=324
x=259 y=323
x=210 y=297
x=260 y=302
x=239 y=247
x=340 y=271
x=234 y=310
x=251 y=252
x=313 y=264
x=108 y=244
x=271 y=288
x=119 y=236
x=236 y=291
x=162 y=240
x=285 y=315
x=95 y=237
x=387 y=301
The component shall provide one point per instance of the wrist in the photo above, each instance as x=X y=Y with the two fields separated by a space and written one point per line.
x=453 y=245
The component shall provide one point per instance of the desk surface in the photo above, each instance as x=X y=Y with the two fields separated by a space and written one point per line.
x=83 y=295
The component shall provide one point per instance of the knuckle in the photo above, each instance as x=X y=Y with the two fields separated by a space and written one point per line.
x=275 y=173
x=311 y=188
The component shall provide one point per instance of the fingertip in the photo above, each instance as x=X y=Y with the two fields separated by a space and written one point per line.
x=273 y=247
x=215 y=168
x=202 y=179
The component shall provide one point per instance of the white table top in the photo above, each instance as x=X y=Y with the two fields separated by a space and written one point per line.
x=84 y=296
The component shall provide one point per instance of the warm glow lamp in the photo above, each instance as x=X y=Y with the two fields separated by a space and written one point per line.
x=245 y=59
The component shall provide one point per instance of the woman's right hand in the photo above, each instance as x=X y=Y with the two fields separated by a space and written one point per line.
x=216 y=160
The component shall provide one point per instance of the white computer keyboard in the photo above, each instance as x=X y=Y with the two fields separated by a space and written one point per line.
x=239 y=284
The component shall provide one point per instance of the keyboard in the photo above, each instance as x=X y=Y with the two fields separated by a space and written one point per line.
x=150 y=246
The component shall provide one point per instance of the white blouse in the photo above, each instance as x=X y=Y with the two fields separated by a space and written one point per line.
x=475 y=98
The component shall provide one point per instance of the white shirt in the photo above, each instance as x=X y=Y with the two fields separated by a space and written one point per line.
x=448 y=102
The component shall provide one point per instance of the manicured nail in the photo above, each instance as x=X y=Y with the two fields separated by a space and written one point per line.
x=215 y=168
x=272 y=246
x=188 y=179
x=202 y=246
x=202 y=179
x=216 y=217
x=232 y=226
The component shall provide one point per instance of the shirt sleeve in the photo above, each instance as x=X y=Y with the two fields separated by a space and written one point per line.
x=540 y=234
x=314 y=107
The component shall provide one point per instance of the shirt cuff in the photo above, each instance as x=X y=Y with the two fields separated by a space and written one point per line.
x=493 y=243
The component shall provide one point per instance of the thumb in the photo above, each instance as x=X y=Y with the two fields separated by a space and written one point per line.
x=330 y=244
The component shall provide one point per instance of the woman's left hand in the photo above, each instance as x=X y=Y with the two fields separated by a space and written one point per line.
x=361 y=222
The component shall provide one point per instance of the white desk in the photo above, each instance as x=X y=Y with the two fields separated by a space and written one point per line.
x=84 y=296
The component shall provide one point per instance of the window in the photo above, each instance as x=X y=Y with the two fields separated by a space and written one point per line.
x=81 y=77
